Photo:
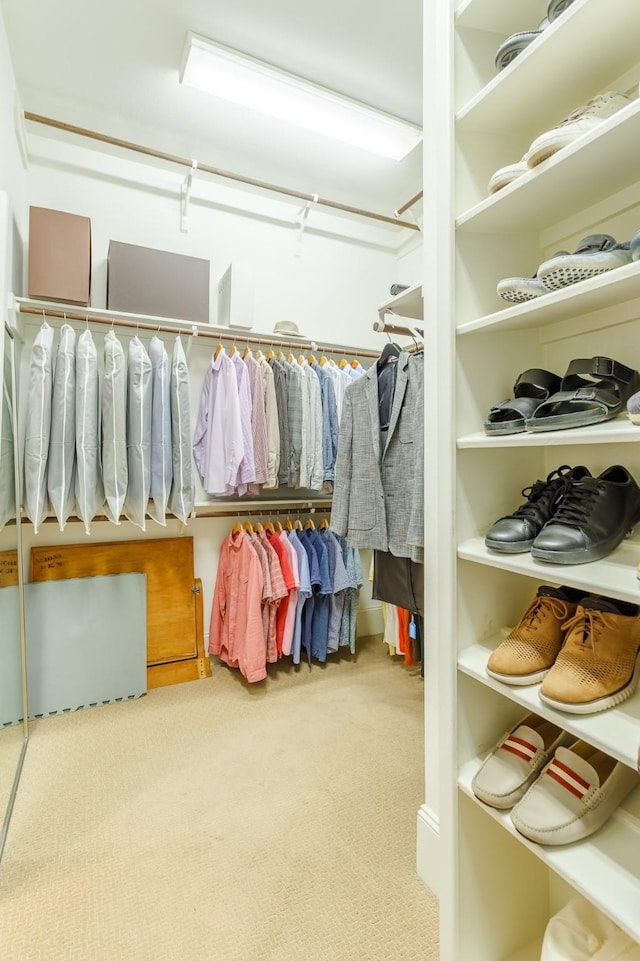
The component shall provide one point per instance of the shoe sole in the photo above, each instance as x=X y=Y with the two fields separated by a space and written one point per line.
x=634 y=418
x=518 y=296
x=565 y=276
x=519 y=680
x=517 y=547
x=555 y=9
x=602 y=703
x=583 y=556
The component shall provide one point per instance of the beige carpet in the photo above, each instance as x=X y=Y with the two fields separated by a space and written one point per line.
x=215 y=821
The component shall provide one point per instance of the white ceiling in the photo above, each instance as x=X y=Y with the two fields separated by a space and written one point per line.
x=113 y=67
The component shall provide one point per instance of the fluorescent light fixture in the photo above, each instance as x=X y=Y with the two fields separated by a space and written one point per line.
x=225 y=73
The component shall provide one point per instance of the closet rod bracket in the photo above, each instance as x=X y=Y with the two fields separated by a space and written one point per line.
x=185 y=197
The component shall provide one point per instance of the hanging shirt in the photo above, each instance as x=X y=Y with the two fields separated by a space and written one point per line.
x=258 y=420
x=315 y=581
x=247 y=469
x=294 y=412
x=279 y=591
x=280 y=383
x=348 y=624
x=273 y=427
x=235 y=632
x=314 y=467
x=289 y=583
x=267 y=590
x=289 y=625
x=340 y=583
x=355 y=373
x=329 y=421
x=304 y=592
x=320 y=621
x=218 y=447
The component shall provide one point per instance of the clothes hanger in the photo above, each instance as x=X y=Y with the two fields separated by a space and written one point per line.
x=323 y=360
x=309 y=525
x=390 y=350
x=249 y=528
x=324 y=523
x=301 y=360
x=277 y=527
x=270 y=354
x=259 y=529
x=237 y=529
x=259 y=355
x=290 y=358
x=297 y=525
x=219 y=347
x=246 y=352
x=343 y=363
x=268 y=526
x=279 y=355
x=288 y=525
x=355 y=363
x=311 y=359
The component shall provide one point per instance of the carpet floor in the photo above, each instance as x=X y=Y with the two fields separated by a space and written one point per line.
x=220 y=821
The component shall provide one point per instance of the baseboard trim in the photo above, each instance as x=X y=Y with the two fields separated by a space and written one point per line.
x=428 y=862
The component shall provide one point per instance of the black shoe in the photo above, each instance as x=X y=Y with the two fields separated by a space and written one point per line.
x=594 y=516
x=516 y=533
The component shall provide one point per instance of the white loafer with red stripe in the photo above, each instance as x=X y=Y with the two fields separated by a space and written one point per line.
x=516 y=761
x=575 y=794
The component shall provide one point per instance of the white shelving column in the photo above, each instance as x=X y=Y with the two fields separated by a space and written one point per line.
x=497 y=890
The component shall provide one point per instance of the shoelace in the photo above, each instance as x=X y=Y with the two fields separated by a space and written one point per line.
x=533 y=613
x=585 y=109
x=592 y=622
x=576 y=506
x=541 y=493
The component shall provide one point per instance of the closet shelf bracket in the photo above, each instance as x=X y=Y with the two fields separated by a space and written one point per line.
x=185 y=198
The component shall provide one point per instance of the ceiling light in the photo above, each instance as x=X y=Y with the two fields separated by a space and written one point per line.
x=225 y=73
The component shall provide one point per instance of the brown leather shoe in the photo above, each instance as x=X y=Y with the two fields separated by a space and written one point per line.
x=528 y=652
x=598 y=666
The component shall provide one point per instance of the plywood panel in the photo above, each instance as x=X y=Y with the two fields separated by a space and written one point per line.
x=8 y=568
x=168 y=564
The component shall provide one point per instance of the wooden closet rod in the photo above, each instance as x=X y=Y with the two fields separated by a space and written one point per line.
x=258 y=511
x=217 y=333
x=409 y=203
x=216 y=171
x=382 y=327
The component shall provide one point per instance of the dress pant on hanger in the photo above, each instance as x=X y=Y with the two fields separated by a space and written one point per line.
x=399 y=581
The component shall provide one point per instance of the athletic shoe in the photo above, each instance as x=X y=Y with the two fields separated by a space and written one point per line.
x=506 y=175
x=579 y=122
x=595 y=254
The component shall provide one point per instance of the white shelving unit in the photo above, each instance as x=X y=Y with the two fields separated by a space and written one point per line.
x=498 y=890
x=408 y=303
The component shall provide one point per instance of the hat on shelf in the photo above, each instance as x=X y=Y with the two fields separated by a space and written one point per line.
x=288 y=329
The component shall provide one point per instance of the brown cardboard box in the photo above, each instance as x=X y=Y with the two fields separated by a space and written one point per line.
x=59 y=256
x=141 y=280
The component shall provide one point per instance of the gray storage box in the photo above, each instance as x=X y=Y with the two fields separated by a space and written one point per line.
x=141 y=280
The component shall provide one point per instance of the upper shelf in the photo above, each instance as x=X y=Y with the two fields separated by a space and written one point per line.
x=581 y=53
x=618 y=431
x=598 y=164
x=409 y=304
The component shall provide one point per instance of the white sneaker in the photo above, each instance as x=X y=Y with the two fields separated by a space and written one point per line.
x=506 y=175
x=579 y=122
x=516 y=761
x=574 y=796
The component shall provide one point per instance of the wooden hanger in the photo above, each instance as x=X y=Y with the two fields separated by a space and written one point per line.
x=324 y=523
x=249 y=528
x=277 y=527
x=259 y=528
x=246 y=352
x=311 y=359
x=309 y=525
x=301 y=359
x=290 y=358
x=323 y=360
x=297 y=525
x=355 y=363
x=259 y=355
x=279 y=355
x=219 y=347
x=288 y=525
x=234 y=350
x=237 y=529
x=343 y=363
x=268 y=526
x=270 y=355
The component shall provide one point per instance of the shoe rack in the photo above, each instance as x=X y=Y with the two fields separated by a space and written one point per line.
x=497 y=890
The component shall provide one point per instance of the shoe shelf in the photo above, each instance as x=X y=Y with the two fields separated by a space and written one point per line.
x=614 y=731
x=547 y=80
x=604 y=868
x=619 y=431
x=408 y=303
x=595 y=294
x=613 y=576
x=588 y=171
x=498 y=16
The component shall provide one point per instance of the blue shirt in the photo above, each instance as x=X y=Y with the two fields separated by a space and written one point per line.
x=329 y=421
x=304 y=593
x=320 y=620
x=315 y=580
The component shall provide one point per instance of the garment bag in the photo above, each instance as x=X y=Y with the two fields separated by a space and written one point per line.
x=114 y=426
x=138 y=433
x=89 y=489
x=182 y=495
x=38 y=426
x=62 y=444
x=161 y=468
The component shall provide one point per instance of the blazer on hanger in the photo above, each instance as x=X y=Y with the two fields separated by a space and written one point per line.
x=374 y=498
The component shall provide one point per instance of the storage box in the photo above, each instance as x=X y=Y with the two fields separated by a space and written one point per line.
x=141 y=280
x=59 y=256
x=235 y=297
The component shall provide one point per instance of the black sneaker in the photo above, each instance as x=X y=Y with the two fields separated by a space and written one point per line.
x=516 y=532
x=594 y=516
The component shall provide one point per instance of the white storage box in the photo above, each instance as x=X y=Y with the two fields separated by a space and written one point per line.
x=235 y=297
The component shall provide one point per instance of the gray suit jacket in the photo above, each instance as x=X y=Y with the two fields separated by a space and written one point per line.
x=378 y=493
